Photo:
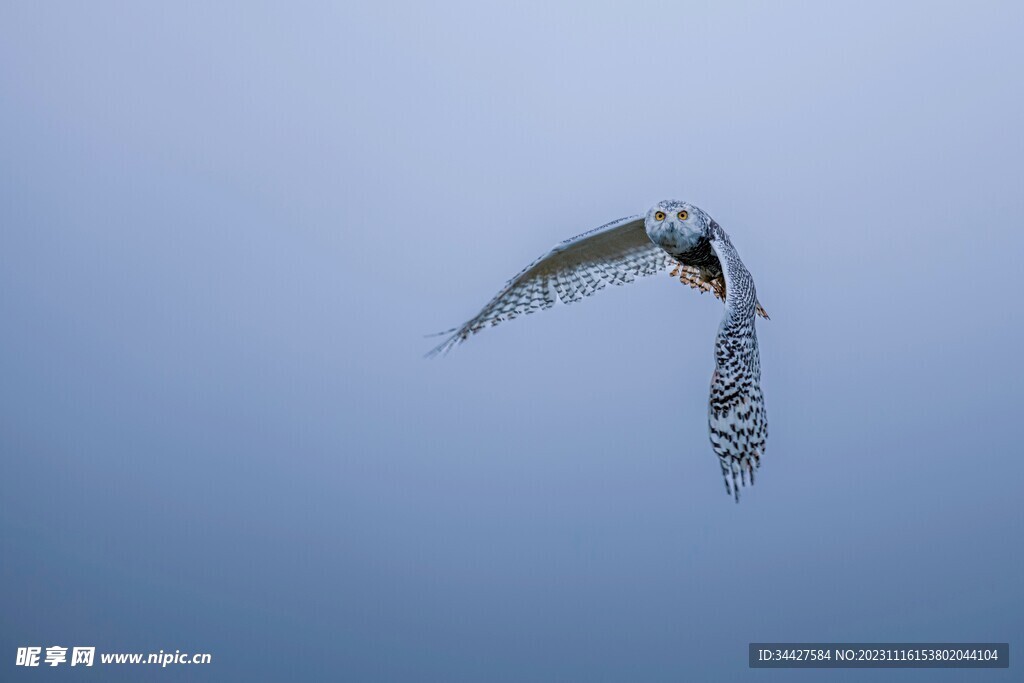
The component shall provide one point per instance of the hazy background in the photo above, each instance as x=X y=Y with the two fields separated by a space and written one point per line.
x=224 y=231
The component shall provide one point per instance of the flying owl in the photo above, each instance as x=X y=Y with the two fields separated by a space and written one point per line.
x=680 y=236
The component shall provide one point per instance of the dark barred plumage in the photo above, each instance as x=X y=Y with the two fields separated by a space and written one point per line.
x=615 y=253
x=737 y=422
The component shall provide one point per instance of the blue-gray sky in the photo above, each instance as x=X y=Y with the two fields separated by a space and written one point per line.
x=225 y=229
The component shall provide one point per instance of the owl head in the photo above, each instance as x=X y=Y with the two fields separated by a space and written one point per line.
x=676 y=226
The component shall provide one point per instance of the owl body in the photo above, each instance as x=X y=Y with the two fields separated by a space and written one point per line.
x=686 y=241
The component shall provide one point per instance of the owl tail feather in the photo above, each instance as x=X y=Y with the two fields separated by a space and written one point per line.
x=736 y=470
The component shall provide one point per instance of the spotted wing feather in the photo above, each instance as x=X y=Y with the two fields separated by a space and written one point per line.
x=616 y=253
x=737 y=421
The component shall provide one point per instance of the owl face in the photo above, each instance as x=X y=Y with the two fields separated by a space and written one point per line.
x=676 y=226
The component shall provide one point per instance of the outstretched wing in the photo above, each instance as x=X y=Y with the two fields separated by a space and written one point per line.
x=615 y=253
x=737 y=422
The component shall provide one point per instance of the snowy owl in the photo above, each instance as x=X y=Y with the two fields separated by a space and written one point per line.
x=681 y=236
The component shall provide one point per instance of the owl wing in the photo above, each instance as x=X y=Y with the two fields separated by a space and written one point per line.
x=615 y=253
x=737 y=421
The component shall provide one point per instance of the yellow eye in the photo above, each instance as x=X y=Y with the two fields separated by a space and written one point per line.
x=683 y=215
x=659 y=215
